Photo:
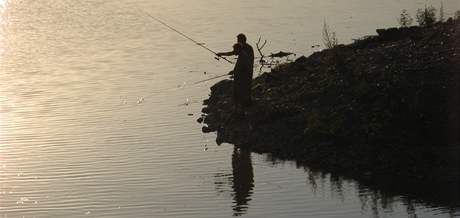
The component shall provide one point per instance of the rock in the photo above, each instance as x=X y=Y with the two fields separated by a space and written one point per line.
x=206 y=129
x=301 y=59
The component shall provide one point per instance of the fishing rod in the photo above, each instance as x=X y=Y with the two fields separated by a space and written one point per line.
x=215 y=77
x=187 y=37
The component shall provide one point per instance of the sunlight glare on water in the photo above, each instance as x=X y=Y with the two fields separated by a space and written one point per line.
x=98 y=107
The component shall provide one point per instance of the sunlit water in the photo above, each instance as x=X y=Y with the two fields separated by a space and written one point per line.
x=98 y=107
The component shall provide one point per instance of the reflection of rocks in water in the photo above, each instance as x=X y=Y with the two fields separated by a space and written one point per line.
x=243 y=180
x=384 y=195
x=380 y=196
x=375 y=203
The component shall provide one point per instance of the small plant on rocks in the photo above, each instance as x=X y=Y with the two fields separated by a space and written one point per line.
x=457 y=15
x=405 y=19
x=329 y=38
x=427 y=16
x=441 y=13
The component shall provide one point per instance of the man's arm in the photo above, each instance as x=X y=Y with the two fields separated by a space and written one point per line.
x=230 y=53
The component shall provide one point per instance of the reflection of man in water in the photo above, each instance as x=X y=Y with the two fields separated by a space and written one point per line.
x=243 y=180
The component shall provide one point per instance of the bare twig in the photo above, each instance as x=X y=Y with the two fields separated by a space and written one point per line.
x=273 y=58
x=260 y=47
x=262 y=56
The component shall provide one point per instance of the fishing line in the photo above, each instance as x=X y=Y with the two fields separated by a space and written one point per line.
x=194 y=41
x=184 y=85
x=187 y=37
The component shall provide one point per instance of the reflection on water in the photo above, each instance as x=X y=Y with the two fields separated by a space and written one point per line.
x=239 y=184
x=243 y=180
x=391 y=197
x=386 y=194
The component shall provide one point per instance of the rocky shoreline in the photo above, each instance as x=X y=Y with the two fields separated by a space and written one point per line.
x=385 y=105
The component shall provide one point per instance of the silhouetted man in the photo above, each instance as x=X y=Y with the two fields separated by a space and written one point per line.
x=243 y=71
x=241 y=39
x=241 y=79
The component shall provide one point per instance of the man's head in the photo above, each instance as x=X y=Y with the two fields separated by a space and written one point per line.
x=241 y=38
x=237 y=48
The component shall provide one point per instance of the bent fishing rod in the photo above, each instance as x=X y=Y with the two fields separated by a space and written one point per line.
x=187 y=37
x=215 y=77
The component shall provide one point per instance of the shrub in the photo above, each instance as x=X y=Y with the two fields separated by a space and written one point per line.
x=441 y=13
x=427 y=16
x=329 y=37
x=457 y=15
x=405 y=19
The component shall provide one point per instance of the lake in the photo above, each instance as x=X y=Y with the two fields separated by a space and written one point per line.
x=98 y=110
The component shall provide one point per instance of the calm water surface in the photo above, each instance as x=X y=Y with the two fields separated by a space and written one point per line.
x=98 y=110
